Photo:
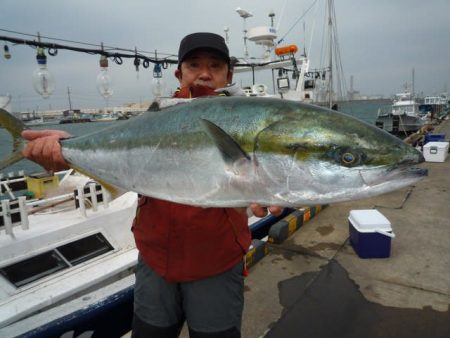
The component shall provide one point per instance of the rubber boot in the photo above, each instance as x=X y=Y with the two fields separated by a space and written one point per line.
x=230 y=333
x=142 y=329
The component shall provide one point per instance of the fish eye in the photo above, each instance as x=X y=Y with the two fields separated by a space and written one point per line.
x=348 y=158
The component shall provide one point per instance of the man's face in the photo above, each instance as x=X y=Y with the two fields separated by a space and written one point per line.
x=204 y=68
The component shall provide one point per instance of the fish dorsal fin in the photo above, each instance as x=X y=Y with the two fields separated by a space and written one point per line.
x=154 y=106
x=167 y=102
x=231 y=151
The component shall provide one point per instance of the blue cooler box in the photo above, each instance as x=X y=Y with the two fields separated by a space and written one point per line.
x=370 y=233
x=429 y=137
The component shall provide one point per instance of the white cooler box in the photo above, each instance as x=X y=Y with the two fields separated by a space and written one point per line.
x=435 y=151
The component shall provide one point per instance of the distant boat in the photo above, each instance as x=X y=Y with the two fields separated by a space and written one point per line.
x=435 y=106
x=41 y=122
x=75 y=116
x=106 y=117
x=402 y=117
x=76 y=119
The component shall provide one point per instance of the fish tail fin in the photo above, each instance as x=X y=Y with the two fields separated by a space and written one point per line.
x=15 y=127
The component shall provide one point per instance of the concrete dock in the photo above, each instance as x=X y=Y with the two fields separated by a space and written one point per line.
x=314 y=285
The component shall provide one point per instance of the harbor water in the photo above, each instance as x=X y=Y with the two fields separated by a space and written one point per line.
x=363 y=110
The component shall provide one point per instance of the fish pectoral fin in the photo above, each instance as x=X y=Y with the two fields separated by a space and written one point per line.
x=230 y=150
x=112 y=189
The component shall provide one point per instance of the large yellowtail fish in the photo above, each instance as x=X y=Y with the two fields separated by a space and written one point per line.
x=231 y=151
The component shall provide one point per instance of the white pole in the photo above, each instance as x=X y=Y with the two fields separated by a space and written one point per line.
x=81 y=201
x=93 y=193
x=23 y=213
x=7 y=217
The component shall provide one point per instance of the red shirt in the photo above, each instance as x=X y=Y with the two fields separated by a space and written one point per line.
x=184 y=243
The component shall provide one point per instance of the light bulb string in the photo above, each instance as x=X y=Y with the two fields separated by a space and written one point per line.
x=117 y=54
x=114 y=53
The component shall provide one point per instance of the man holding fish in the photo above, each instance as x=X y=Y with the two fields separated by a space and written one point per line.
x=200 y=165
x=190 y=267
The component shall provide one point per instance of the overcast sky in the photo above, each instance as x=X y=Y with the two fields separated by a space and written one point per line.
x=380 y=41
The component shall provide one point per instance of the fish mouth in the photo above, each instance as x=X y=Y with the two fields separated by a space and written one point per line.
x=398 y=173
x=406 y=171
x=416 y=171
x=402 y=171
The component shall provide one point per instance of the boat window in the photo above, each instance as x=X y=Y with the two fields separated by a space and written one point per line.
x=85 y=249
x=34 y=268
x=62 y=257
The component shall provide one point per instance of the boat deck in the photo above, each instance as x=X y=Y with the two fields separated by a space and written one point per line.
x=314 y=285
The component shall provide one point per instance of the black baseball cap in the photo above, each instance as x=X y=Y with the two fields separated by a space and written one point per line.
x=195 y=41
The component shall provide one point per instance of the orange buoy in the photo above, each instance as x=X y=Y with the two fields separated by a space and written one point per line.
x=290 y=49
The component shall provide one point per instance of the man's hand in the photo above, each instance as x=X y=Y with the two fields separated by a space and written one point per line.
x=260 y=211
x=44 y=148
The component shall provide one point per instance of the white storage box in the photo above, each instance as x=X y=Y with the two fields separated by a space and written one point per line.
x=435 y=151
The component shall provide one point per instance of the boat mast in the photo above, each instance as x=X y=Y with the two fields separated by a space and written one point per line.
x=244 y=15
x=68 y=95
x=330 y=65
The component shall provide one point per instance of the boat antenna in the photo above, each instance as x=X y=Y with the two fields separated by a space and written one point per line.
x=226 y=29
x=271 y=16
x=281 y=16
x=244 y=15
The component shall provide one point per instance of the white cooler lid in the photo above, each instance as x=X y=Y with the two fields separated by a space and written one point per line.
x=439 y=145
x=369 y=220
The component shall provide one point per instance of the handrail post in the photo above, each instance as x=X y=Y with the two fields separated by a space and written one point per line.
x=23 y=213
x=81 y=201
x=7 y=217
x=93 y=192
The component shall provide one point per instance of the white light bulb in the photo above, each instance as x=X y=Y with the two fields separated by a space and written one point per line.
x=104 y=83
x=43 y=81
x=158 y=84
x=158 y=87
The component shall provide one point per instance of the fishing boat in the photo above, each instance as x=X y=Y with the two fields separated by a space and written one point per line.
x=67 y=255
x=71 y=119
x=75 y=116
x=106 y=117
x=435 y=107
x=293 y=78
x=41 y=121
x=403 y=116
